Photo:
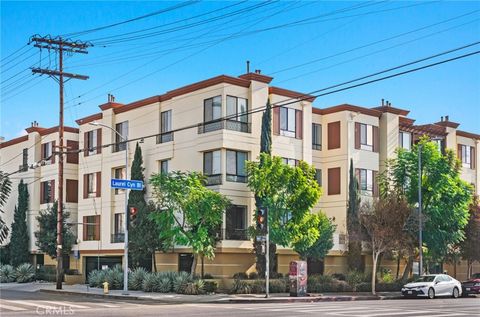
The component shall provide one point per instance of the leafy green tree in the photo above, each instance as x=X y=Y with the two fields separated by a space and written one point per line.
x=319 y=249
x=19 y=252
x=47 y=232
x=289 y=193
x=470 y=247
x=188 y=212
x=143 y=236
x=5 y=188
x=445 y=197
x=354 y=256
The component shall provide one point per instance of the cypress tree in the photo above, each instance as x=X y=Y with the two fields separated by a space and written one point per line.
x=19 y=252
x=354 y=257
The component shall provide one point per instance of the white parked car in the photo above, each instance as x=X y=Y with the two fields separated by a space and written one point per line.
x=433 y=285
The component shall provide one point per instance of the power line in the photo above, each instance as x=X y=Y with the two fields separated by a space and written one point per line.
x=168 y=9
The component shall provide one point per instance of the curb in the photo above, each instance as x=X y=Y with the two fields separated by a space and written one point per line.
x=54 y=291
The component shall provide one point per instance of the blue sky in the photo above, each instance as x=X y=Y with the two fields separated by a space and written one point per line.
x=348 y=41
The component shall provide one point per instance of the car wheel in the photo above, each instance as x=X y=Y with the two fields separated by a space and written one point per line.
x=455 y=293
x=431 y=293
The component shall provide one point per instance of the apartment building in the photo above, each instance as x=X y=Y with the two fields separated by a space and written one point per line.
x=328 y=138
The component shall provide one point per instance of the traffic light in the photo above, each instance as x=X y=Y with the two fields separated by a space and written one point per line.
x=132 y=214
x=262 y=219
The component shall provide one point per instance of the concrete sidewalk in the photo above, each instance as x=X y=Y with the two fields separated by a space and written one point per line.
x=170 y=298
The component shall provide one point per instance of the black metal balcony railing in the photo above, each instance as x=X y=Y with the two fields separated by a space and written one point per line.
x=165 y=137
x=118 y=238
x=23 y=168
x=316 y=146
x=235 y=234
x=214 y=179
x=121 y=146
x=236 y=178
x=233 y=125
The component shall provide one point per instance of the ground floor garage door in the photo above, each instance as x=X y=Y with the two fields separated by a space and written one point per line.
x=97 y=263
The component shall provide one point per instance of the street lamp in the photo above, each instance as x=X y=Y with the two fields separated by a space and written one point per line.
x=420 y=225
x=125 y=252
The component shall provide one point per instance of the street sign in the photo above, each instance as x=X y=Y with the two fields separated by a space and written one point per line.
x=126 y=184
x=261 y=238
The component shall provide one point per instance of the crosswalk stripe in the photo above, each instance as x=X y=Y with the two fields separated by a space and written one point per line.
x=66 y=304
x=321 y=309
x=106 y=305
x=13 y=308
x=20 y=302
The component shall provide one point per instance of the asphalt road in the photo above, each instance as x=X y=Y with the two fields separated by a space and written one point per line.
x=16 y=304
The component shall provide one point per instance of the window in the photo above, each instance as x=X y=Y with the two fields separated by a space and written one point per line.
x=47 y=152
x=237 y=108
x=365 y=180
x=236 y=166
x=287 y=122
x=212 y=110
x=165 y=127
x=366 y=137
x=212 y=168
x=466 y=154
x=334 y=181
x=333 y=136
x=72 y=191
x=92 y=142
x=290 y=161
x=164 y=166
x=318 y=176
x=236 y=223
x=91 y=185
x=405 y=140
x=121 y=128
x=316 y=136
x=91 y=228
x=47 y=192
x=119 y=173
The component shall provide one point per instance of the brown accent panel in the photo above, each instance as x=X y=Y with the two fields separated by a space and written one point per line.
x=459 y=151
x=333 y=135
x=72 y=157
x=97 y=228
x=72 y=191
x=375 y=184
x=84 y=228
x=298 y=124
x=90 y=118
x=99 y=140
x=85 y=144
x=334 y=181
x=42 y=191
x=85 y=186
x=53 y=152
x=347 y=107
x=52 y=184
x=99 y=184
x=357 y=135
x=290 y=93
x=376 y=140
x=472 y=157
x=276 y=120
x=42 y=151
x=14 y=141
x=468 y=134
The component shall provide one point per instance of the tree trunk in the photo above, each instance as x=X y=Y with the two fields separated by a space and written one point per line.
x=194 y=264
x=154 y=262
x=203 y=264
x=455 y=266
x=408 y=267
x=398 y=266
x=469 y=268
x=375 y=256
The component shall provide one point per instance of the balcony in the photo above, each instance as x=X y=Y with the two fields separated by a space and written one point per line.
x=214 y=179
x=22 y=168
x=117 y=238
x=165 y=137
x=235 y=234
x=233 y=125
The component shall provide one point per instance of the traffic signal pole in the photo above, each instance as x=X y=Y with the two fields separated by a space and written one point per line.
x=267 y=259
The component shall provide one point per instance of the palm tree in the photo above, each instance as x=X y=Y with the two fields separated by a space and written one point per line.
x=5 y=187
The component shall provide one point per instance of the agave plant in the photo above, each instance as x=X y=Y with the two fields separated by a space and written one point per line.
x=240 y=287
x=135 y=279
x=180 y=282
x=148 y=284
x=114 y=277
x=25 y=273
x=164 y=284
x=194 y=288
x=96 y=278
x=7 y=274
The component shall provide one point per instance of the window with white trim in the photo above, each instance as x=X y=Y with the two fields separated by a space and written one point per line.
x=366 y=137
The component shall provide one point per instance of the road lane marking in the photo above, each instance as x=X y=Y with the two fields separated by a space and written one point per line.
x=66 y=304
x=20 y=302
x=13 y=308
x=106 y=305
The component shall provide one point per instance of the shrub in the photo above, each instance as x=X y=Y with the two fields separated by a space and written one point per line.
x=388 y=278
x=211 y=286
x=396 y=286
x=353 y=278
x=240 y=287
x=364 y=287
x=149 y=282
x=47 y=273
x=163 y=284
x=253 y=276
x=339 y=276
x=135 y=279
x=207 y=276
x=25 y=273
x=325 y=283
x=257 y=287
x=275 y=275
x=240 y=276
x=277 y=286
x=7 y=274
x=180 y=282
x=96 y=278
x=194 y=288
x=114 y=277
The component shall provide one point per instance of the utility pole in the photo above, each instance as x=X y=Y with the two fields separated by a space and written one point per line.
x=59 y=45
